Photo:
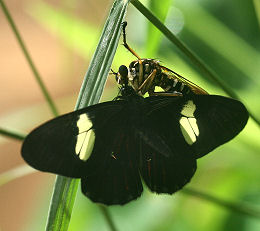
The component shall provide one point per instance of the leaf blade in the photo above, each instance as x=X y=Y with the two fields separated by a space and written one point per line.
x=90 y=92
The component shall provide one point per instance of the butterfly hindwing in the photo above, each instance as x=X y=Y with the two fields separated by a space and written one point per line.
x=165 y=174
x=118 y=181
x=166 y=163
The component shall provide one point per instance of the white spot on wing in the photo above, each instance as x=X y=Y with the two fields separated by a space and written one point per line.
x=85 y=138
x=84 y=123
x=188 y=109
x=187 y=131
x=193 y=124
x=188 y=123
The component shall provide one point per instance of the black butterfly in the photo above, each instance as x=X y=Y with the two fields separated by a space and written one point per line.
x=157 y=138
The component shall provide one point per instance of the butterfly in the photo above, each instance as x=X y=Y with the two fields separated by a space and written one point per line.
x=112 y=146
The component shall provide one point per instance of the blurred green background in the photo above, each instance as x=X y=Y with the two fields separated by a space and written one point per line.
x=62 y=36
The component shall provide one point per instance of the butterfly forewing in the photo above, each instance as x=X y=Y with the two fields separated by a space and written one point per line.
x=197 y=124
x=219 y=120
x=63 y=145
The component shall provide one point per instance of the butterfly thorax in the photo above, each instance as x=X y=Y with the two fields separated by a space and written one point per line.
x=128 y=94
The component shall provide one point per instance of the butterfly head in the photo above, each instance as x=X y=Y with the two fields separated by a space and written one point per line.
x=122 y=75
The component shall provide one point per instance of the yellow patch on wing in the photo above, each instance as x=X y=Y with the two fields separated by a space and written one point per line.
x=188 y=123
x=85 y=138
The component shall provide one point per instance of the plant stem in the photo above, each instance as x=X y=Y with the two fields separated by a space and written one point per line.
x=12 y=134
x=235 y=207
x=29 y=59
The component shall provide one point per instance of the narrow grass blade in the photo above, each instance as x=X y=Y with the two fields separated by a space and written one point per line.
x=15 y=173
x=11 y=134
x=232 y=206
x=91 y=90
x=29 y=59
